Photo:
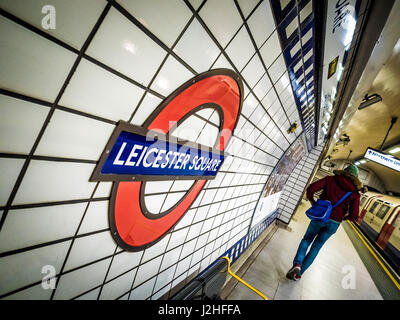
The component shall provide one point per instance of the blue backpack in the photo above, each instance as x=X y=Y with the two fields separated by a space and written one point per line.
x=321 y=210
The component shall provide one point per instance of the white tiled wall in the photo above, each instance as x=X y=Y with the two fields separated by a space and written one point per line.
x=62 y=92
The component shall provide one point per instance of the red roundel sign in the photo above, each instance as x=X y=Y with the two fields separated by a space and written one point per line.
x=132 y=226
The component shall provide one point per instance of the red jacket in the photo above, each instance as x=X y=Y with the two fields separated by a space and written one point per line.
x=334 y=188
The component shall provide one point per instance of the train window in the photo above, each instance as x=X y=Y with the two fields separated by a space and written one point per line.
x=382 y=211
x=362 y=201
x=374 y=206
x=397 y=221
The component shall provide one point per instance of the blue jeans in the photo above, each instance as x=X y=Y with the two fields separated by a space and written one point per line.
x=317 y=233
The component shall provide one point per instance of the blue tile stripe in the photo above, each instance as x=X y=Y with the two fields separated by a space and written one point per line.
x=279 y=12
x=298 y=50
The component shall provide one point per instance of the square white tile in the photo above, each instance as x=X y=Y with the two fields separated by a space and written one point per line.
x=96 y=91
x=241 y=49
x=154 y=203
x=116 y=288
x=72 y=136
x=30 y=64
x=20 y=124
x=32 y=293
x=271 y=49
x=28 y=227
x=196 y=3
x=91 y=295
x=277 y=69
x=165 y=19
x=171 y=200
x=73 y=19
x=15 y=272
x=261 y=23
x=222 y=18
x=182 y=185
x=96 y=217
x=170 y=258
x=157 y=186
x=258 y=114
x=103 y=189
x=121 y=45
x=186 y=219
x=144 y=291
x=47 y=181
x=81 y=280
x=197 y=48
x=10 y=169
x=208 y=135
x=123 y=262
x=156 y=250
x=262 y=87
x=164 y=278
x=222 y=62
x=269 y=99
x=282 y=84
x=90 y=248
x=171 y=76
x=189 y=129
x=249 y=105
x=177 y=238
x=183 y=266
x=194 y=231
x=147 y=270
x=148 y=105
x=247 y=6
x=253 y=71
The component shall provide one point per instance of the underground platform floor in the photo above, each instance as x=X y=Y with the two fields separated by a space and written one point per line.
x=338 y=272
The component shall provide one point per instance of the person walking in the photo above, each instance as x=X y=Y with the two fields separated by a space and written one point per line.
x=334 y=189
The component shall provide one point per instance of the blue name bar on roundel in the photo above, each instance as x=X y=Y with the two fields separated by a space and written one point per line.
x=144 y=158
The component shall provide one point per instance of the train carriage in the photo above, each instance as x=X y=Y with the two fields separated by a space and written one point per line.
x=380 y=221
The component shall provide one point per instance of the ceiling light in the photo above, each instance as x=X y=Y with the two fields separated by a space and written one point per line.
x=349 y=27
x=363 y=161
x=395 y=150
x=369 y=100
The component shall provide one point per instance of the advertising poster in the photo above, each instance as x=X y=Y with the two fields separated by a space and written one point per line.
x=272 y=191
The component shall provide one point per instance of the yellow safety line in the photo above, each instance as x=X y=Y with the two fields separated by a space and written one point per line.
x=242 y=281
x=376 y=257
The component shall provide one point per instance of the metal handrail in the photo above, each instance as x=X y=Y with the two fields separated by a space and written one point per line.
x=241 y=280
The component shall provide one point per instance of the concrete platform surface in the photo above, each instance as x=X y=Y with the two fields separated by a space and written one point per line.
x=337 y=273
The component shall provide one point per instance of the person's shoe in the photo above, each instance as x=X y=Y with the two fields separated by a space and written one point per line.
x=297 y=277
x=293 y=272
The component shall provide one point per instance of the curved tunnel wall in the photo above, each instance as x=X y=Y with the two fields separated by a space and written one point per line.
x=63 y=91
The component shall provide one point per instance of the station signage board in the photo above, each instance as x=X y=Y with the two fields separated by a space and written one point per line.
x=134 y=153
x=384 y=159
